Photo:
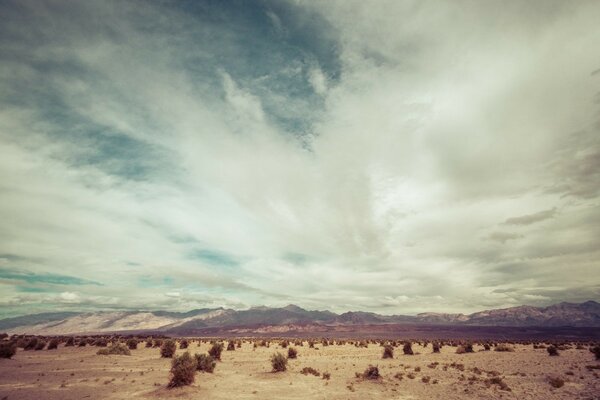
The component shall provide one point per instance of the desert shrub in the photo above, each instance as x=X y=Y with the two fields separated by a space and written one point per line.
x=216 y=350
x=101 y=342
x=436 y=347
x=552 y=350
x=407 y=348
x=486 y=347
x=82 y=343
x=231 y=345
x=425 y=379
x=158 y=343
x=168 y=348
x=149 y=343
x=596 y=351
x=70 y=342
x=41 y=345
x=279 y=362
x=31 y=344
x=132 y=344
x=284 y=344
x=8 y=349
x=205 y=363
x=465 y=348
x=496 y=380
x=556 y=382
x=326 y=376
x=310 y=370
x=504 y=348
x=388 y=351
x=183 y=370
x=292 y=352
x=53 y=345
x=184 y=344
x=372 y=372
x=116 y=349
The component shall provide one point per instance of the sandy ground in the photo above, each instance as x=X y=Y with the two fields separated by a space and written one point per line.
x=78 y=373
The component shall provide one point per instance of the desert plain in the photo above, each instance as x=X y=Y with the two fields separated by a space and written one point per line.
x=246 y=373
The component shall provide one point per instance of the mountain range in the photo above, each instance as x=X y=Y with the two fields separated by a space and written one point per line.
x=290 y=319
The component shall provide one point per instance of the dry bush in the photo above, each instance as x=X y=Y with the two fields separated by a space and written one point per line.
x=231 y=346
x=53 y=345
x=552 y=350
x=183 y=370
x=31 y=344
x=425 y=379
x=310 y=370
x=101 y=342
x=372 y=372
x=184 y=344
x=326 y=376
x=279 y=362
x=407 y=348
x=284 y=344
x=596 y=351
x=41 y=345
x=132 y=344
x=115 y=349
x=504 y=348
x=70 y=342
x=8 y=349
x=436 y=347
x=292 y=352
x=149 y=343
x=556 y=382
x=158 y=343
x=496 y=380
x=388 y=351
x=168 y=348
x=205 y=363
x=466 y=348
x=216 y=350
x=486 y=347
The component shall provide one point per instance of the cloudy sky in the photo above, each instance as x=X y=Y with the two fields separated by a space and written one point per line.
x=388 y=156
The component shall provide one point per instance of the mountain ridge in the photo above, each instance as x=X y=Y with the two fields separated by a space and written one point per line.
x=290 y=317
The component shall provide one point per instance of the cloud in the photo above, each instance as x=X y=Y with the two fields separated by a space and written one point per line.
x=337 y=155
x=531 y=218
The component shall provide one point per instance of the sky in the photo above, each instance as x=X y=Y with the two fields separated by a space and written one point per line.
x=386 y=156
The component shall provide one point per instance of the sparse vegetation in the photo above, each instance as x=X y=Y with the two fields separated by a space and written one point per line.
x=310 y=370
x=168 y=348
x=183 y=370
x=53 y=344
x=407 y=348
x=372 y=372
x=8 y=349
x=132 y=344
x=596 y=351
x=279 y=362
x=388 y=351
x=115 y=349
x=205 y=363
x=552 y=350
x=184 y=344
x=216 y=350
x=292 y=353
x=556 y=381
x=231 y=346
x=503 y=348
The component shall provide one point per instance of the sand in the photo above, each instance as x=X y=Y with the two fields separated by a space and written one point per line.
x=78 y=373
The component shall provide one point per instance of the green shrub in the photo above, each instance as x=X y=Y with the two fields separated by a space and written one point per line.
x=205 y=363
x=292 y=352
x=279 y=362
x=168 y=348
x=388 y=351
x=183 y=370
x=8 y=349
x=116 y=349
x=216 y=350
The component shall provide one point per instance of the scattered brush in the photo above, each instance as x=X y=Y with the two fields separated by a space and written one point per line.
x=372 y=373
x=132 y=344
x=8 y=349
x=216 y=350
x=407 y=348
x=205 y=363
x=115 y=349
x=388 y=351
x=436 y=347
x=41 y=345
x=70 y=342
x=496 y=380
x=279 y=362
x=292 y=353
x=184 y=344
x=231 y=345
x=310 y=370
x=596 y=351
x=168 y=348
x=326 y=376
x=552 y=350
x=183 y=370
x=503 y=348
x=53 y=345
x=556 y=382
x=31 y=344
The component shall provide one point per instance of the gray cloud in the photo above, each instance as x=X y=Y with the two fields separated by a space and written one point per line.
x=339 y=154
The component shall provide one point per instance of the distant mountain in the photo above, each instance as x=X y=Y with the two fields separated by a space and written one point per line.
x=291 y=318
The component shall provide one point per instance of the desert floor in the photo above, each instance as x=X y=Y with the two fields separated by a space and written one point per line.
x=78 y=373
